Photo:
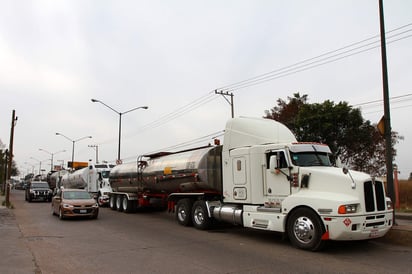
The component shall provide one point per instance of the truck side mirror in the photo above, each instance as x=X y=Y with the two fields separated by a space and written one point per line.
x=273 y=163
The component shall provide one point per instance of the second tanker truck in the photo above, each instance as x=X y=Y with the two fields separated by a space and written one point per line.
x=94 y=178
x=260 y=178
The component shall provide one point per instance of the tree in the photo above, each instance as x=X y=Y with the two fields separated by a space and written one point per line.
x=354 y=140
x=4 y=164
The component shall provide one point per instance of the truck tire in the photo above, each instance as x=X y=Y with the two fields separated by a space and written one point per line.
x=119 y=201
x=127 y=204
x=200 y=217
x=305 y=230
x=112 y=202
x=99 y=200
x=184 y=212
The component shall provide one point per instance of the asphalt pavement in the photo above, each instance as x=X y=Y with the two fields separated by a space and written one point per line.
x=16 y=256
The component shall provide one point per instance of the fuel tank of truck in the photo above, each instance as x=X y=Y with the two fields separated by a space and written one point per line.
x=185 y=171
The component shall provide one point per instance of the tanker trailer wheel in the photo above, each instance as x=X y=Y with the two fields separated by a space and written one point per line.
x=127 y=204
x=305 y=230
x=119 y=201
x=184 y=212
x=112 y=202
x=200 y=217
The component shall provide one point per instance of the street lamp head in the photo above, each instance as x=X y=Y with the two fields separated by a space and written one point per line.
x=57 y=133
x=145 y=107
x=95 y=100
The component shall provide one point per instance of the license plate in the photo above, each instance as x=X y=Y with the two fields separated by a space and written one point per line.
x=373 y=233
x=83 y=211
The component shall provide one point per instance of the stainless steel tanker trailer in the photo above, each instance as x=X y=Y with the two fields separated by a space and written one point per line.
x=260 y=178
x=149 y=181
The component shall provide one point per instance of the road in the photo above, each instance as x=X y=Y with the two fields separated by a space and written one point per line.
x=152 y=242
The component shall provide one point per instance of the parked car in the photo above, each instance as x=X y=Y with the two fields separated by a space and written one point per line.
x=74 y=203
x=38 y=190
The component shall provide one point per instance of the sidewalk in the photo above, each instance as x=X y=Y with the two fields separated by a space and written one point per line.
x=15 y=255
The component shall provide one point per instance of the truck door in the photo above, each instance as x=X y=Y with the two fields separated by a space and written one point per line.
x=277 y=183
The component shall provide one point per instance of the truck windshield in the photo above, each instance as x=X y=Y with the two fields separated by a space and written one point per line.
x=105 y=174
x=310 y=159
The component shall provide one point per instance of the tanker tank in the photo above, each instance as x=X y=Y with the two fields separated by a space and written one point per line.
x=75 y=180
x=165 y=172
x=55 y=179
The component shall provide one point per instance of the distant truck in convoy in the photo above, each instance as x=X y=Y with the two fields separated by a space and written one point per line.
x=94 y=178
x=54 y=179
x=260 y=178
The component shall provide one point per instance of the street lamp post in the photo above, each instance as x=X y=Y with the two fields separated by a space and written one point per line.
x=39 y=163
x=73 y=141
x=51 y=154
x=120 y=121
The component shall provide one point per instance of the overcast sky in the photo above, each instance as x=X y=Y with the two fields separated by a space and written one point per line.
x=55 y=56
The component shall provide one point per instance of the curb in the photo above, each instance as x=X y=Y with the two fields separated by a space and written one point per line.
x=403 y=216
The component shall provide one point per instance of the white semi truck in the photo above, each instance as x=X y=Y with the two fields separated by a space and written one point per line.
x=260 y=178
x=94 y=178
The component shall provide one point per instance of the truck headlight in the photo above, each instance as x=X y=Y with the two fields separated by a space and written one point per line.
x=348 y=209
x=389 y=204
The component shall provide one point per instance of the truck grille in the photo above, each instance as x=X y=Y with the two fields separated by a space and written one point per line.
x=374 y=196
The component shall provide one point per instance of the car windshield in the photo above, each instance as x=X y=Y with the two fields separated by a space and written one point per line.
x=72 y=195
x=39 y=185
x=310 y=159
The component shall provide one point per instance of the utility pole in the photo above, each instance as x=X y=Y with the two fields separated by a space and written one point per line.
x=6 y=155
x=387 y=116
x=224 y=94
x=13 y=123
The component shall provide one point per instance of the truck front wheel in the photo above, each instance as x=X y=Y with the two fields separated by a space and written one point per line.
x=184 y=212
x=305 y=230
x=100 y=200
x=200 y=216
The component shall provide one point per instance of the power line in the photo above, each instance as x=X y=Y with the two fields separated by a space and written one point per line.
x=322 y=59
x=379 y=101
x=319 y=60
